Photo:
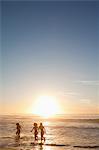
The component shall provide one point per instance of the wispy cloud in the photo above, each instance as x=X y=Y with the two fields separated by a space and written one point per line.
x=85 y=101
x=68 y=93
x=89 y=82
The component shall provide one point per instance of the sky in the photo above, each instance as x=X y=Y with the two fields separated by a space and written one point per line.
x=50 y=48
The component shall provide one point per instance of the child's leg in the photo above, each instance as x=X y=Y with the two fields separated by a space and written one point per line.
x=44 y=139
x=42 y=136
x=36 y=137
x=18 y=133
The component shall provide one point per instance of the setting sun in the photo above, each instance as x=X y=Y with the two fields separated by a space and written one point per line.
x=46 y=106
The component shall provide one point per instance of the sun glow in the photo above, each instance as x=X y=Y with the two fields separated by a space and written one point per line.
x=46 y=106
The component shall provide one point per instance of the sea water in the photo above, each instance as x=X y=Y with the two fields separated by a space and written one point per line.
x=62 y=133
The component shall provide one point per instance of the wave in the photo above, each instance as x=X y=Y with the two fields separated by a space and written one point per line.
x=7 y=137
x=81 y=146
x=82 y=127
x=75 y=146
x=49 y=144
x=76 y=127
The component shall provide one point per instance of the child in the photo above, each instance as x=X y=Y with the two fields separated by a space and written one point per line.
x=35 y=128
x=18 y=127
x=42 y=131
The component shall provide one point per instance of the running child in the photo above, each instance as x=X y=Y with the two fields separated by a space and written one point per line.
x=42 y=131
x=18 y=127
x=35 y=129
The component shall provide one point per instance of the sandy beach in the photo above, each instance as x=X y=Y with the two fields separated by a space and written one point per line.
x=34 y=148
x=6 y=149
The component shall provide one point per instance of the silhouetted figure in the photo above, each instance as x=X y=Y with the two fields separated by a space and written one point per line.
x=35 y=129
x=18 y=127
x=42 y=131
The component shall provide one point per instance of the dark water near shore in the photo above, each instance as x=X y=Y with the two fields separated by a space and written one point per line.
x=62 y=132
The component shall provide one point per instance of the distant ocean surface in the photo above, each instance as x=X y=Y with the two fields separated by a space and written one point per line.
x=62 y=132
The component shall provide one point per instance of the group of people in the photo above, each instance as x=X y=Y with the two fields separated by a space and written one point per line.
x=36 y=129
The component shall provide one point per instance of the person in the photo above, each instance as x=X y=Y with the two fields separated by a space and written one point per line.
x=42 y=131
x=35 y=129
x=18 y=127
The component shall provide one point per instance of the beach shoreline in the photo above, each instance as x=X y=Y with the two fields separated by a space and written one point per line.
x=7 y=149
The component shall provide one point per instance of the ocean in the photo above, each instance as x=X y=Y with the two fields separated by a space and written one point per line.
x=62 y=132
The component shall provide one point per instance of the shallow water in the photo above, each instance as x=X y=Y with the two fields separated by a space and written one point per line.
x=62 y=134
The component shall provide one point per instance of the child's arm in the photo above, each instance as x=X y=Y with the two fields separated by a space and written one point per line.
x=32 y=130
x=44 y=130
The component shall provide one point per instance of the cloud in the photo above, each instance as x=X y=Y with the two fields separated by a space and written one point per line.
x=68 y=93
x=85 y=101
x=89 y=82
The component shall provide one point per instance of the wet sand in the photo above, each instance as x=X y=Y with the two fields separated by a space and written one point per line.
x=42 y=148
x=6 y=149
